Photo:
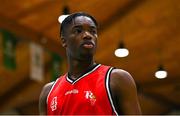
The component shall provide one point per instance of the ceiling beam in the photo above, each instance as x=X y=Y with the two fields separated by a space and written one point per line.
x=160 y=99
x=29 y=34
x=44 y=5
x=121 y=12
x=116 y=16
x=159 y=82
x=150 y=105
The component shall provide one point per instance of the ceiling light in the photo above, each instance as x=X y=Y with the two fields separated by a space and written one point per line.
x=161 y=73
x=121 y=51
x=61 y=18
x=65 y=14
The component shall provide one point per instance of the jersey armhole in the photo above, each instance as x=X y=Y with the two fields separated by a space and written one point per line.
x=107 y=84
x=51 y=90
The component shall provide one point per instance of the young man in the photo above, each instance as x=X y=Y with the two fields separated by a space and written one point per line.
x=87 y=88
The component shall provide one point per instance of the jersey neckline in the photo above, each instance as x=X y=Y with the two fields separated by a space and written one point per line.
x=92 y=69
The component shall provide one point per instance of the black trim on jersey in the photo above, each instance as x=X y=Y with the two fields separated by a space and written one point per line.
x=108 y=90
x=88 y=71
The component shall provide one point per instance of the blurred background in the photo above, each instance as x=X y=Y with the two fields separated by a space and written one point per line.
x=31 y=54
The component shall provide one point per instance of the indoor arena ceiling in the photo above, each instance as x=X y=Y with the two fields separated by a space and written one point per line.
x=150 y=29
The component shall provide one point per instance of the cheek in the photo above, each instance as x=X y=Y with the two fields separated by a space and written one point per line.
x=73 y=44
x=96 y=36
x=95 y=39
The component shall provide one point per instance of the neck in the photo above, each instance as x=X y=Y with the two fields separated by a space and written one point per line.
x=78 y=67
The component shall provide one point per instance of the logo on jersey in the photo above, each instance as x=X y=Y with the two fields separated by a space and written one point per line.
x=90 y=96
x=73 y=91
x=54 y=103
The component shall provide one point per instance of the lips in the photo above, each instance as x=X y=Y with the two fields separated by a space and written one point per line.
x=88 y=44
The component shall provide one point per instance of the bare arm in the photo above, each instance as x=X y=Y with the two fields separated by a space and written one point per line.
x=124 y=92
x=43 y=98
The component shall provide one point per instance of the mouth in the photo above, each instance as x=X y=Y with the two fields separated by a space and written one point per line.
x=88 y=45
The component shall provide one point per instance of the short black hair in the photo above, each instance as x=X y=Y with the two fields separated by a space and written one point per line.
x=70 y=18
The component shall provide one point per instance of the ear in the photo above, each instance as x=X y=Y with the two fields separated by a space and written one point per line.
x=63 y=42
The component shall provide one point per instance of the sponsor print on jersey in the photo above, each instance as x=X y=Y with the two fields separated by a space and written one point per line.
x=54 y=103
x=74 y=91
x=90 y=96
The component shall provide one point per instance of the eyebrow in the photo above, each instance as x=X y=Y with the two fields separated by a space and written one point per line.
x=77 y=26
x=80 y=26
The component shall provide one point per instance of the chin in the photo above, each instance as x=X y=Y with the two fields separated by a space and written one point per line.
x=86 y=53
x=86 y=56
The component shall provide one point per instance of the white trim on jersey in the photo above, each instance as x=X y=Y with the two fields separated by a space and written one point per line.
x=73 y=82
x=108 y=90
x=51 y=90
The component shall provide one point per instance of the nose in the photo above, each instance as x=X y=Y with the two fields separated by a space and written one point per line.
x=87 y=35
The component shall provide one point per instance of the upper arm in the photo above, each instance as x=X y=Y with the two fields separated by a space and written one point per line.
x=124 y=92
x=43 y=98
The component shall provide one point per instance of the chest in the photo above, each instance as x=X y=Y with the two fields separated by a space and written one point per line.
x=87 y=93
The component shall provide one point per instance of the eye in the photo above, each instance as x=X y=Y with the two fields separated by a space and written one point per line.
x=77 y=30
x=93 y=31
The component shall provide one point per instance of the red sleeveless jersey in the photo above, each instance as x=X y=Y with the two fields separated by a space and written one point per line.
x=89 y=94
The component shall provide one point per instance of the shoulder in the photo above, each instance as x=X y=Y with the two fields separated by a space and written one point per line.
x=124 y=92
x=48 y=85
x=46 y=89
x=43 y=97
x=121 y=80
x=122 y=75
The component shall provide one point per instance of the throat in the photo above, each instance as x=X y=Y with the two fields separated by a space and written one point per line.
x=73 y=77
x=75 y=74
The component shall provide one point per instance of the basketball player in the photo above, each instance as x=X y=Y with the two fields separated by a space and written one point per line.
x=87 y=88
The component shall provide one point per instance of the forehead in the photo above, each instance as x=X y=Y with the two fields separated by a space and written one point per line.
x=83 y=20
